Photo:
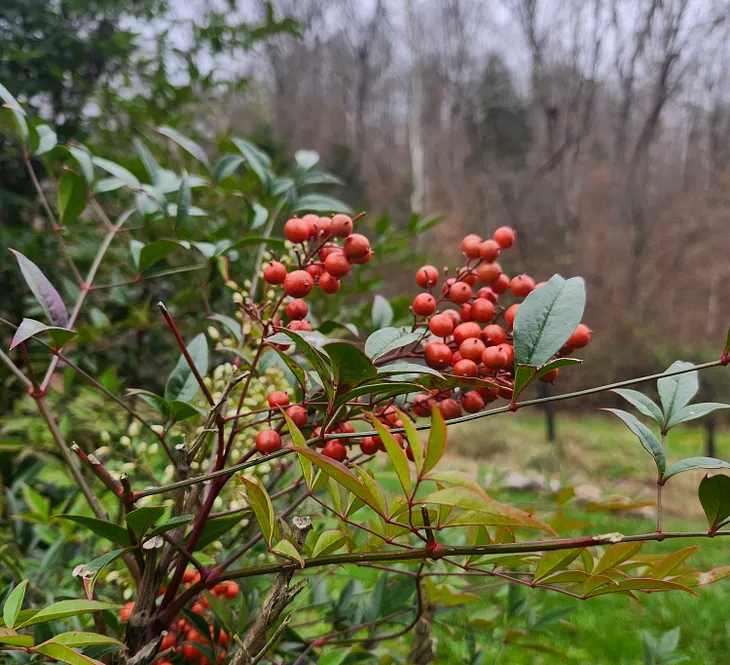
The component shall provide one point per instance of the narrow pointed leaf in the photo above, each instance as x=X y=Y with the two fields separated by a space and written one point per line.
x=692 y=463
x=261 y=505
x=714 y=494
x=182 y=385
x=350 y=366
x=226 y=167
x=67 y=608
x=640 y=584
x=436 y=441
x=396 y=454
x=256 y=159
x=71 y=198
x=300 y=442
x=646 y=437
x=29 y=328
x=12 y=605
x=15 y=639
x=109 y=530
x=80 y=639
x=320 y=203
x=47 y=140
x=287 y=550
x=117 y=171
x=83 y=158
x=328 y=542
x=414 y=441
x=184 y=201
x=314 y=358
x=386 y=340
x=668 y=564
x=170 y=524
x=216 y=528
x=694 y=411
x=676 y=391
x=143 y=518
x=551 y=562
x=642 y=403
x=185 y=143
x=616 y=554
x=64 y=654
x=43 y=290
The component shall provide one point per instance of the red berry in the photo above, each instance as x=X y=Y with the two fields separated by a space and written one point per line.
x=465 y=367
x=427 y=276
x=550 y=377
x=489 y=250
x=315 y=269
x=580 y=337
x=335 y=449
x=296 y=230
x=501 y=284
x=368 y=445
x=275 y=273
x=495 y=358
x=467 y=276
x=505 y=237
x=460 y=292
x=298 y=284
x=493 y=335
x=324 y=226
x=446 y=286
x=488 y=394
x=449 y=409
x=189 y=574
x=438 y=355
x=424 y=304
x=472 y=402
x=487 y=293
x=471 y=245
x=488 y=273
x=126 y=611
x=341 y=226
x=298 y=415
x=509 y=351
x=169 y=641
x=312 y=222
x=303 y=326
x=363 y=259
x=509 y=315
x=190 y=652
x=327 y=250
x=455 y=357
x=441 y=325
x=465 y=331
x=297 y=309
x=454 y=316
x=268 y=441
x=522 y=285
x=465 y=312
x=356 y=246
x=337 y=264
x=329 y=284
x=278 y=398
x=422 y=405
x=482 y=310
x=472 y=349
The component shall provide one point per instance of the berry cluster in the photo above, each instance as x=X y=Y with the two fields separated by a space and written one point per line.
x=183 y=638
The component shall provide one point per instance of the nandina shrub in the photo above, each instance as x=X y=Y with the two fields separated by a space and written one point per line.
x=280 y=461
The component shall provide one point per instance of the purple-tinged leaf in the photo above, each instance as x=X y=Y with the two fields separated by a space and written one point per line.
x=30 y=328
x=43 y=290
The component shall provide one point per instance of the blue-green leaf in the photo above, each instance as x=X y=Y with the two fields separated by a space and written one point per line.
x=676 y=391
x=182 y=384
x=646 y=437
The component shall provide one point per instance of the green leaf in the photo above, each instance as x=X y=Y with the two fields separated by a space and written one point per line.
x=328 y=542
x=402 y=369
x=148 y=161
x=217 y=527
x=320 y=203
x=437 y=439
x=43 y=290
x=183 y=410
x=261 y=505
x=396 y=454
x=184 y=201
x=119 y=172
x=30 y=328
x=336 y=657
x=294 y=367
x=79 y=639
x=260 y=215
x=318 y=178
x=67 y=608
x=108 y=185
x=71 y=198
x=83 y=159
x=646 y=437
x=350 y=366
x=616 y=554
x=250 y=241
x=306 y=159
x=391 y=388
x=316 y=360
x=229 y=323
x=37 y=504
x=170 y=524
x=642 y=404
x=639 y=584
x=676 y=391
x=185 y=143
x=256 y=158
x=692 y=463
x=414 y=440
x=526 y=375
x=226 y=167
x=155 y=401
x=47 y=140
x=142 y=519
x=669 y=563
x=377 y=598
x=551 y=562
x=94 y=568
x=547 y=318
x=156 y=252
x=12 y=605
x=182 y=384
x=287 y=550
x=18 y=113
x=108 y=530
x=694 y=411
x=64 y=654
x=381 y=314
x=300 y=442
x=388 y=339
x=13 y=638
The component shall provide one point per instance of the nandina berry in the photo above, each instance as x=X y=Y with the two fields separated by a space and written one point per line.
x=126 y=612
x=470 y=245
x=488 y=273
x=327 y=250
x=505 y=237
x=301 y=326
x=507 y=390
x=297 y=309
x=278 y=398
x=424 y=304
x=482 y=310
x=488 y=394
x=268 y=441
x=441 y=325
x=197 y=608
x=438 y=355
x=501 y=284
x=275 y=273
x=189 y=575
x=494 y=357
x=356 y=246
x=465 y=331
x=509 y=315
x=472 y=402
x=493 y=335
x=298 y=415
x=454 y=316
x=446 y=286
x=388 y=415
x=427 y=276
x=169 y=641
x=328 y=283
x=231 y=591
x=312 y=223
x=363 y=259
x=368 y=445
x=422 y=405
x=341 y=226
x=487 y=293
x=489 y=250
x=190 y=652
x=460 y=292
x=449 y=409
x=509 y=351
x=316 y=269
x=337 y=265
x=550 y=377
x=296 y=230
x=472 y=349
x=455 y=357
x=465 y=367
x=522 y=285
x=580 y=337
x=468 y=276
x=335 y=450
x=298 y=284
x=324 y=226
x=465 y=312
